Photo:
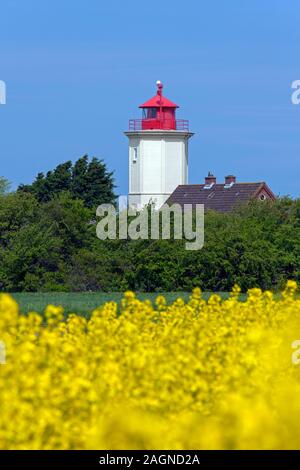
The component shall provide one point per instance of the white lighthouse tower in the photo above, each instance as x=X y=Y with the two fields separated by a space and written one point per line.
x=158 y=152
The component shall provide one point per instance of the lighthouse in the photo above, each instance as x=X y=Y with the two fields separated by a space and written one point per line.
x=158 y=152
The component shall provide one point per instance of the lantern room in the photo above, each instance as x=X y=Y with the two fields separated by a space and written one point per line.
x=158 y=113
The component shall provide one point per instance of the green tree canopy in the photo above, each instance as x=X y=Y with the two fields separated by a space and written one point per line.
x=51 y=246
x=4 y=185
x=87 y=180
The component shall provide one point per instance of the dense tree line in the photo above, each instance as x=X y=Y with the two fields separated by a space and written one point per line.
x=50 y=244
x=86 y=180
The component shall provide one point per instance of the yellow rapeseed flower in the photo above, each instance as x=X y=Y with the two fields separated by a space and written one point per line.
x=214 y=374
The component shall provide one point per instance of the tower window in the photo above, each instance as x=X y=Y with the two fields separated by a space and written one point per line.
x=135 y=154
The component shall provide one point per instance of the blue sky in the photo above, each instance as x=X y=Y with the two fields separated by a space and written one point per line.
x=76 y=71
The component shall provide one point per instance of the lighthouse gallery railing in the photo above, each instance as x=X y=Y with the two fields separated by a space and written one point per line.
x=144 y=124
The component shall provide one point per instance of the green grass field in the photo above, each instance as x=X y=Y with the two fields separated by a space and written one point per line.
x=85 y=302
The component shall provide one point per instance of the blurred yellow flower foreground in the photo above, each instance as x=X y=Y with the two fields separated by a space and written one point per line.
x=199 y=375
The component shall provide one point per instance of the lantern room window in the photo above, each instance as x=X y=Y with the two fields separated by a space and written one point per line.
x=150 y=113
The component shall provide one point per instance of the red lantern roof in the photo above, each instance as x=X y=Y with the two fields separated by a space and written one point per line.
x=158 y=113
x=159 y=101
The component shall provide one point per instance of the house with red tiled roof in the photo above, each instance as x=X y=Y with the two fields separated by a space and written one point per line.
x=220 y=197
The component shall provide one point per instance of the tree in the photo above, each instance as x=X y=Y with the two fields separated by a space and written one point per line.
x=4 y=185
x=60 y=179
x=89 y=181
x=80 y=169
x=99 y=184
x=53 y=246
x=37 y=240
